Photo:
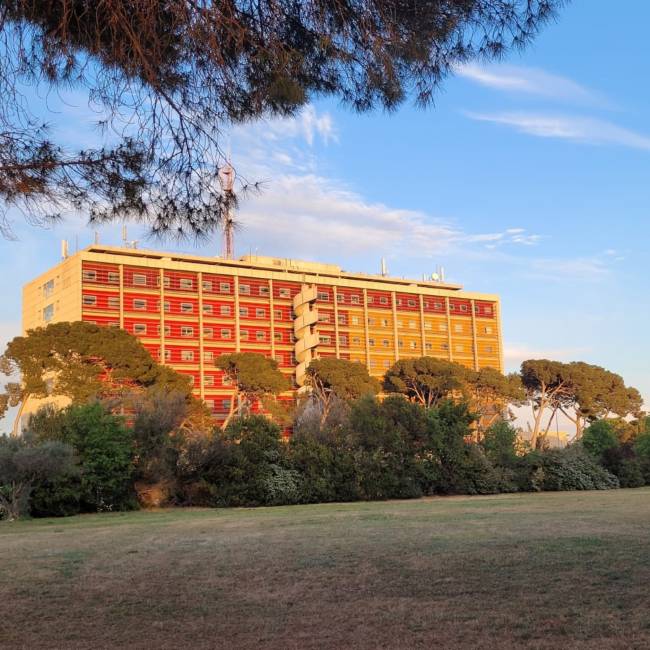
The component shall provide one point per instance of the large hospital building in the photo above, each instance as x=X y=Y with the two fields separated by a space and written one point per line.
x=187 y=310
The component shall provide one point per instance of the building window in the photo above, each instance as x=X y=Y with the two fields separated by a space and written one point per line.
x=384 y=322
x=260 y=313
x=279 y=359
x=324 y=296
x=354 y=300
x=208 y=356
x=243 y=335
x=263 y=291
x=386 y=363
x=277 y=314
x=438 y=305
x=343 y=319
x=209 y=403
x=323 y=318
x=343 y=339
x=225 y=334
x=371 y=321
x=428 y=346
x=208 y=332
x=224 y=287
x=113 y=323
x=442 y=327
x=168 y=355
x=355 y=320
x=400 y=323
x=445 y=346
x=371 y=343
x=225 y=404
x=243 y=311
x=411 y=303
x=460 y=348
x=284 y=293
x=187 y=331
x=187 y=307
x=278 y=336
x=398 y=302
x=412 y=324
x=260 y=335
x=356 y=340
x=370 y=300
x=383 y=300
x=113 y=277
x=452 y=307
x=463 y=307
x=208 y=380
x=168 y=330
x=48 y=288
x=187 y=355
x=427 y=325
x=207 y=309
x=139 y=304
x=400 y=343
x=166 y=282
x=340 y=297
x=458 y=328
x=324 y=339
x=140 y=328
x=225 y=310
x=488 y=349
x=91 y=276
x=488 y=330
x=140 y=279
x=90 y=301
x=414 y=345
x=245 y=289
x=386 y=343
x=207 y=285
x=48 y=313
x=488 y=310
x=186 y=283
x=192 y=380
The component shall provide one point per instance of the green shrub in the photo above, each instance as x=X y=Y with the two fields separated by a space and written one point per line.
x=105 y=450
x=599 y=437
x=572 y=469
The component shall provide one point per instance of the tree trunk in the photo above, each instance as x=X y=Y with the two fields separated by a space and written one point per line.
x=231 y=412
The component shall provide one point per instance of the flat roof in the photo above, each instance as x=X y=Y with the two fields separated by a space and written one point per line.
x=287 y=265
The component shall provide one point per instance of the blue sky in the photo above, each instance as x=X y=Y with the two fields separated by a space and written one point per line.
x=529 y=179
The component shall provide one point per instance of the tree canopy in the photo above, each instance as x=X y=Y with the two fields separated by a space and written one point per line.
x=331 y=379
x=167 y=77
x=582 y=392
x=82 y=361
x=426 y=380
x=253 y=377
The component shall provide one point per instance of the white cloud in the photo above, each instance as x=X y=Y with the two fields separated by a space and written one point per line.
x=319 y=217
x=579 y=129
x=306 y=125
x=531 y=81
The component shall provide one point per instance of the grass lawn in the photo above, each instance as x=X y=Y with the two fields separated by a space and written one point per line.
x=554 y=570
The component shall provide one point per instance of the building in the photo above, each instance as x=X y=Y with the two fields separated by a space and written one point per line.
x=187 y=310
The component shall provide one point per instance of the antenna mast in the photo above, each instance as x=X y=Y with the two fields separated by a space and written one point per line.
x=227 y=180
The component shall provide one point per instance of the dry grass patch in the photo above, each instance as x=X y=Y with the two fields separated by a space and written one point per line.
x=534 y=571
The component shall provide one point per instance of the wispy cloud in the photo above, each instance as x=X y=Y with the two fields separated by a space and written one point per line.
x=584 y=130
x=515 y=353
x=531 y=81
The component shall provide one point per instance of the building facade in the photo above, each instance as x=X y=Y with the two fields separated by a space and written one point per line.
x=187 y=310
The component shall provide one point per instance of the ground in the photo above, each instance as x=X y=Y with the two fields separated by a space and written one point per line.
x=554 y=570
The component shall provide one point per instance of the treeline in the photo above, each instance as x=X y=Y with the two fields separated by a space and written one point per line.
x=430 y=426
x=85 y=459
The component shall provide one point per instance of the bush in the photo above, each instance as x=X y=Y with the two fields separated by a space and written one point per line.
x=570 y=469
x=22 y=464
x=598 y=438
x=106 y=461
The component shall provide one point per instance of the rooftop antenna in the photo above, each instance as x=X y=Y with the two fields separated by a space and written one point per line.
x=384 y=269
x=96 y=237
x=125 y=240
x=227 y=181
x=64 y=249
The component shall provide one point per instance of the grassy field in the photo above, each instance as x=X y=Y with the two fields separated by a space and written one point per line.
x=567 y=570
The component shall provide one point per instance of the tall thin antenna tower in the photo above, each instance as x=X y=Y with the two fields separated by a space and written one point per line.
x=227 y=181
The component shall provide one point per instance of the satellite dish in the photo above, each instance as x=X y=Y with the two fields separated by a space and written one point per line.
x=435 y=277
